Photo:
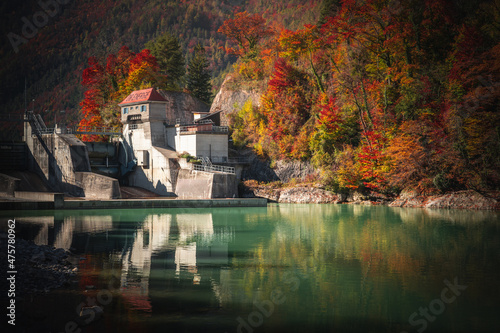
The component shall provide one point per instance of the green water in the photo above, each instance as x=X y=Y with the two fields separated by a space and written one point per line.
x=284 y=268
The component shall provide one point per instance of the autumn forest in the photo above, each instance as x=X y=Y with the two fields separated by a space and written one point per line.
x=380 y=95
x=377 y=94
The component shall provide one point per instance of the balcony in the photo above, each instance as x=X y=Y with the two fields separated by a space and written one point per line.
x=134 y=117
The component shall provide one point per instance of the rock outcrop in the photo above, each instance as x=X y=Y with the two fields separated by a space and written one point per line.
x=455 y=200
x=470 y=200
x=261 y=170
x=229 y=99
x=298 y=194
x=288 y=170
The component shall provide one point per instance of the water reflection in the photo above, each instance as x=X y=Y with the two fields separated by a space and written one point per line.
x=337 y=267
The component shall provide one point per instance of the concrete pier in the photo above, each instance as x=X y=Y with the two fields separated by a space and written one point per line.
x=13 y=204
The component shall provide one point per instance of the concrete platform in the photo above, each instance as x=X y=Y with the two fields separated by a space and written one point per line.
x=12 y=204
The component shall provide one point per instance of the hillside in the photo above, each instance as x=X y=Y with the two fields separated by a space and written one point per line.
x=381 y=97
x=47 y=48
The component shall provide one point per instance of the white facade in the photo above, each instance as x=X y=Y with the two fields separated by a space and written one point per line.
x=213 y=146
x=151 y=132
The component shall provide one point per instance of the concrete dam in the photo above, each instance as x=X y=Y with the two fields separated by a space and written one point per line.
x=157 y=128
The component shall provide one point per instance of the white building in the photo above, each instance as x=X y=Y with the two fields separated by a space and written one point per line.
x=158 y=126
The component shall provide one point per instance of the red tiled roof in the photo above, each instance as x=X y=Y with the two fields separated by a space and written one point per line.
x=143 y=95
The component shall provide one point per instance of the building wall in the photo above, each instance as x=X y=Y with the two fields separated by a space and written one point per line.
x=214 y=146
x=135 y=109
x=170 y=132
x=186 y=143
x=138 y=138
x=158 y=134
x=159 y=174
x=157 y=111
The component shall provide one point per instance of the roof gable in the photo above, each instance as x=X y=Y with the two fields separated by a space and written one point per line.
x=144 y=95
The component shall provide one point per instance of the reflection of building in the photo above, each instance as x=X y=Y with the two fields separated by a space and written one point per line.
x=64 y=230
x=188 y=236
x=178 y=249
x=136 y=261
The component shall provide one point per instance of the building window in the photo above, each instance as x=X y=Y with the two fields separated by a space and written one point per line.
x=133 y=126
x=143 y=108
x=125 y=110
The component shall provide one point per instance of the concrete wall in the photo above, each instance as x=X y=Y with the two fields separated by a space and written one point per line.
x=8 y=185
x=160 y=174
x=56 y=198
x=63 y=163
x=158 y=134
x=214 y=146
x=56 y=158
x=192 y=184
x=171 y=132
x=97 y=186
x=186 y=143
x=225 y=185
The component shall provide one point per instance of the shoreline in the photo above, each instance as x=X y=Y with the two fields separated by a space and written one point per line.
x=12 y=204
x=261 y=195
x=466 y=199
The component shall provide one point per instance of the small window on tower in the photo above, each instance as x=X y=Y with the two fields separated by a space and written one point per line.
x=125 y=110
x=143 y=108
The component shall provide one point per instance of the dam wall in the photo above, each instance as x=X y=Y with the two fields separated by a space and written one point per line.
x=193 y=184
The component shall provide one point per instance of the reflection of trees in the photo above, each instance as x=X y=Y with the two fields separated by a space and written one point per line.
x=368 y=261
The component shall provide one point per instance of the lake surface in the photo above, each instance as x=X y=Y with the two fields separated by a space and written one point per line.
x=293 y=268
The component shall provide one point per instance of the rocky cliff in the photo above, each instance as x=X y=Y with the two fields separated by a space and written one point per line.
x=230 y=98
x=181 y=105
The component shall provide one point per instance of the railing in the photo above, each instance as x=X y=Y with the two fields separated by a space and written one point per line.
x=205 y=161
x=38 y=127
x=134 y=117
x=93 y=130
x=220 y=129
x=213 y=168
x=203 y=128
x=40 y=121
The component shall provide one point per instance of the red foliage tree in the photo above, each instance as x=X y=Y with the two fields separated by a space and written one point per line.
x=245 y=30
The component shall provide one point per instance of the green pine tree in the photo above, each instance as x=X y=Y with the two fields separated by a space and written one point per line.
x=168 y=53
x=198 y=78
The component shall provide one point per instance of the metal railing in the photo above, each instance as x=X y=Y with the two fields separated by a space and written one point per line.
x=94 y=130
x=205 y=161
x=213 y=168
x=38 y=127
x=203 y=128
x=40 y=121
